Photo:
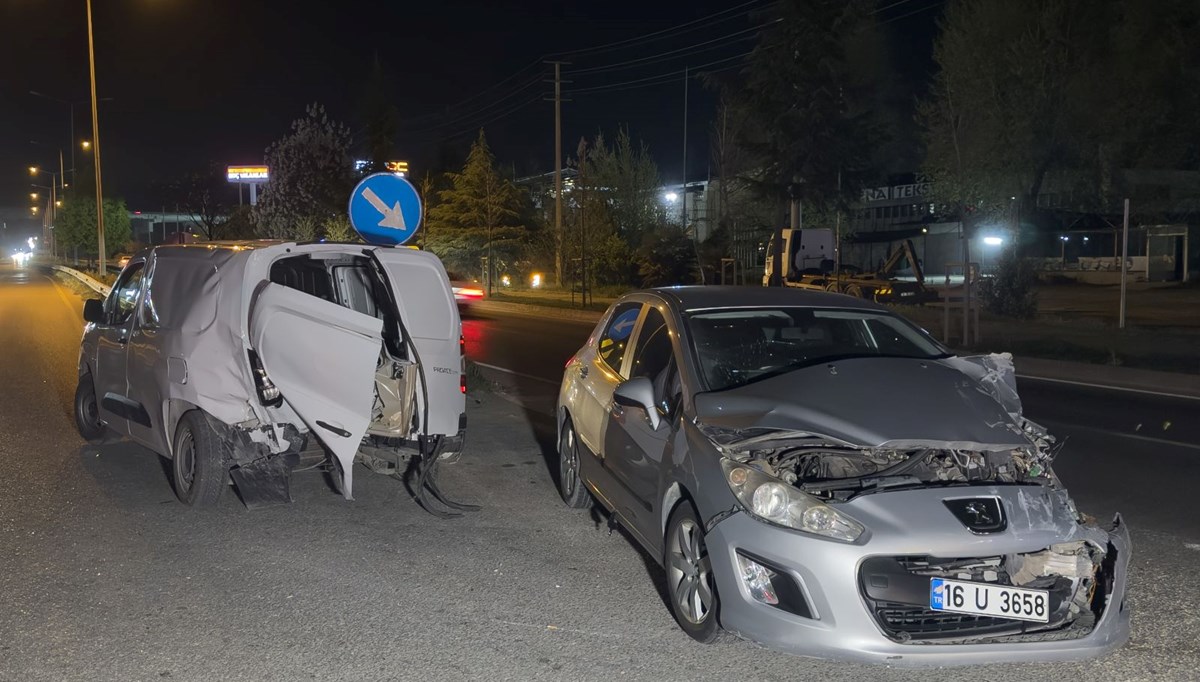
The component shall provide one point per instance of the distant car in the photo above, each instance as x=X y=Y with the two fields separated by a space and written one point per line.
x=818 y=475
x=237 y=359
x=466 y=291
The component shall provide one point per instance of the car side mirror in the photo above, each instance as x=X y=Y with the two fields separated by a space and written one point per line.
x=638 y=392
x=93 y=310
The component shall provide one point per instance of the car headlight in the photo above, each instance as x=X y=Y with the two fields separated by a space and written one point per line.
x=774 y=501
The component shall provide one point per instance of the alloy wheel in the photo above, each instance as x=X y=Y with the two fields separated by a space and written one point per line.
x=568 y=462
x=689 y=572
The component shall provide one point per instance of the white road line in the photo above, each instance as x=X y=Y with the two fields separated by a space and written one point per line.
x=1134 y=436
x=516 y=373
x=1107 y=387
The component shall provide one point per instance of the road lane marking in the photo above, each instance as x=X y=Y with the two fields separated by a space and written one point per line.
x=1163 y=394
x=515 y=373
x=1133 y=436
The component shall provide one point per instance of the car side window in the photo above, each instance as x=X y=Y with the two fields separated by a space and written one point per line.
x=615 y=339
x=653 y=356
x=123 y=298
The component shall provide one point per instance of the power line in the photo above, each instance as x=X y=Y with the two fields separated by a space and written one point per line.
x=489 y=121
x=482 y=109
x=689 y=49
x=658 y=79
x=909 y=14
x=481 y=93
x=674 y=29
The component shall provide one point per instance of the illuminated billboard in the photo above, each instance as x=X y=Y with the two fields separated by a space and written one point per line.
x=246 y=174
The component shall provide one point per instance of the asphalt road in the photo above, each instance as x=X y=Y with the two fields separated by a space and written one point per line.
x=104 y=576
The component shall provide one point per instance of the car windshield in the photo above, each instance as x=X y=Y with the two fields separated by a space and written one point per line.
x=736 y=346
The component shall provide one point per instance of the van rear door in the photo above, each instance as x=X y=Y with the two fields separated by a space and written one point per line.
x=322 y=358
x=426 y=306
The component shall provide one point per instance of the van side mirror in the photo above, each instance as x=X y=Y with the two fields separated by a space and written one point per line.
x=93 y=310
x=638 y=392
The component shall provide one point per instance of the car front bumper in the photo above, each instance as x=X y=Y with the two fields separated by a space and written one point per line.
x=842 y=624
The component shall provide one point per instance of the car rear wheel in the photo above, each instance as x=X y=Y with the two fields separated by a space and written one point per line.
x=197 y=464
x=690 y=583
x=87 y=412
x=570 y=484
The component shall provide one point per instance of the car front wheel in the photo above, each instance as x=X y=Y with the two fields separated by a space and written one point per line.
x=690 y=582
x=570 y=484
x=87 y=411
x=197 y=465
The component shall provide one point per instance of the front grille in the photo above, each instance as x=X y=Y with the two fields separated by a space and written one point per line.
x=905 y=621
x=895 y=590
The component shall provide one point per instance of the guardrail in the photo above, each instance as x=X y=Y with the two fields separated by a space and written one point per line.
x=98 y=287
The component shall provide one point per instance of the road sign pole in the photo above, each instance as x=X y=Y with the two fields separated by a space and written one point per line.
x=1124 y=261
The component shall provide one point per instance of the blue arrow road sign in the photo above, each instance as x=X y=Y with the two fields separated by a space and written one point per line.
x=385 y=209
x=622 y=327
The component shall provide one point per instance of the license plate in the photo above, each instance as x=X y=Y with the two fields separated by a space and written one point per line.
x=985 y=599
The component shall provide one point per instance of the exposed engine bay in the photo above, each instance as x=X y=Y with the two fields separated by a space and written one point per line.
x=832 y=470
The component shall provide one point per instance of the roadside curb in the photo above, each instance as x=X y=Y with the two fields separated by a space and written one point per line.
x=98 y=287
x=532 y=310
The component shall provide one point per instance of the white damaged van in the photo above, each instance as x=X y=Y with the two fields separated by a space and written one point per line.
x=246 y=360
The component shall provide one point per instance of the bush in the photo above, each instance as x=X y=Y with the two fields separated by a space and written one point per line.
x=667 y=257
x=1010 y=292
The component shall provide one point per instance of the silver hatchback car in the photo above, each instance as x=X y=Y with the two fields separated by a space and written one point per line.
x=818 y=475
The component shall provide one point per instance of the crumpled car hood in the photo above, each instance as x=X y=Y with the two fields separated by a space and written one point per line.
x=878 y=402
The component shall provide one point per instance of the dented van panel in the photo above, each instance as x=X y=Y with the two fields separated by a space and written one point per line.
x=292 y=349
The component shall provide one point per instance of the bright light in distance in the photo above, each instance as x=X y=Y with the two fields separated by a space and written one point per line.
x=506 y=281
x=671 y=197
x=31 y=241
x=33 y=170
x=1065 y=238
x=535 y=281
x=993 y=241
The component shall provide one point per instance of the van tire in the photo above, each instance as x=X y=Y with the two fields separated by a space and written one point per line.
x=197 y=466
x=87 y=412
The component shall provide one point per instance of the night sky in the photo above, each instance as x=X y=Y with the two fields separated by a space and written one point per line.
x=200 y=82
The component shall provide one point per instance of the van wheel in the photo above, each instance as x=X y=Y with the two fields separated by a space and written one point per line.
x=854 y=290
x=570 y=483
x=87 y=412
x=198 y=467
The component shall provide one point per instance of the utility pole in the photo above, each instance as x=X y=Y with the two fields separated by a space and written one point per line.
x=96 y=144
x=1125 y=261
x=683 y=191
x=558 y=158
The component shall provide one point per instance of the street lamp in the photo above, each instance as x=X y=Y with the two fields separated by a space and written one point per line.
x=86 y=145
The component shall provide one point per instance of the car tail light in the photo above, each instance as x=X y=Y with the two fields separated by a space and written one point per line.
x=268 y=394
x=462 y=354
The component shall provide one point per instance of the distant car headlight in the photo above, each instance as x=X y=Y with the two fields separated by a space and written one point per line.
x=776 y=502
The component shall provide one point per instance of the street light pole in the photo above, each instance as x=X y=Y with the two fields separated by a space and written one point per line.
x=96 y=144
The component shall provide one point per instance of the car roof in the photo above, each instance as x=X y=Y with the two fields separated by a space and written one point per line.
x=699 y=297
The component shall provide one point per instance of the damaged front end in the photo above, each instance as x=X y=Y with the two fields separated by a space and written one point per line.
x=1077 y=577
x=1004 y=495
